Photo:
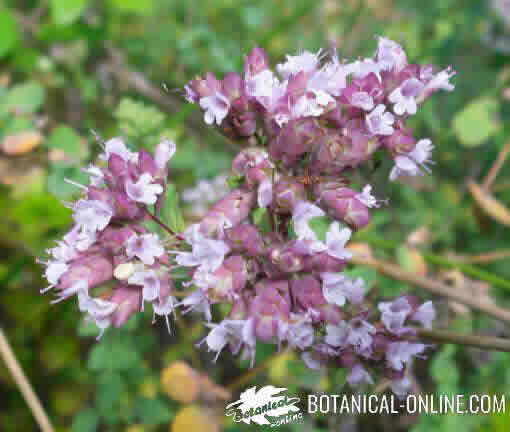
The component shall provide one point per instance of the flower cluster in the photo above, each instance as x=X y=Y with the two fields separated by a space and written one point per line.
x=274 y=247
x=308 y=125
x=109 y=260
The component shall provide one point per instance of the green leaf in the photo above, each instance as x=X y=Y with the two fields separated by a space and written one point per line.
x=261 y=219
x=152 y=411
x=320 y=226
x=368 y=274
x=66 y=139
x=171 y=212
x=138 y=120
x=110 y=390
x=9 y=34
x=444 y=370
x=114 y=354
x=85 y=421
x=23 y=98
x=476 y=122
x=57 y=183
x=135 y=6
x=65 y=12
x=235 y=181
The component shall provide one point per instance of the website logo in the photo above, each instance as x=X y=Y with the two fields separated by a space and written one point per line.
x=267 y=406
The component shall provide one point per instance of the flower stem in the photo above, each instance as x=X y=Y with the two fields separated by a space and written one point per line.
x=476 y=341
x=163 y=225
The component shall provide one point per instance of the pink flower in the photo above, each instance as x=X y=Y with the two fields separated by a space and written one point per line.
x=366 y=197
x=394 y=314
x=216 y=108
x=92 y=215
x=404 y=97
x=54 y=270
x=336 y=239
x=164 y=152
x=414 y=162
x=390 y=55
x=362 y=100
x=118 y=147
x=143 y=190
x=359 y=375
x=379 y=122
x=425 y=314
x=206 y=253
x=337 y=288
x=145 y=247
x=149 y=280
x=265 y=193
x=399 y=354
x=304 y=62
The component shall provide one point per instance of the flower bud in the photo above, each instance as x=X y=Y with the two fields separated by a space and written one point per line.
x=343 y=205
x=202 y=87
x=307 y=292
x=129 y=300
x=295 y=139
x=286 y=258
x=269 y=308
x=400 y=142
x=322 y=262
x=287 y=193
x=228 y=212
x=228 y=281
x=256 y=61
x=123 y=271
x=245 y=238
x=94 y=269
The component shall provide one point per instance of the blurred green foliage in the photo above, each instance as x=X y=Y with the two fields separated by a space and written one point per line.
x=60 y=77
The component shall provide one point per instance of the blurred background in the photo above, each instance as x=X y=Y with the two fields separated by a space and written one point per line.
x=74 y=69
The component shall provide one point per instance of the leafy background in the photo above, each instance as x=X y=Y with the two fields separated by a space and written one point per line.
x=74 y=69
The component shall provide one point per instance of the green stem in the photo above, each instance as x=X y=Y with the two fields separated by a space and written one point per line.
x=439 y=260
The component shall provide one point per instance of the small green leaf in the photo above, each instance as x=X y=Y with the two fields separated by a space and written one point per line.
x=113 y=354
x=110 y=390
x=23 y=98
x=152 y=411
x=235 y=181
x=135 y=6
x=444 y=370
x=57 y=183
x=139 y=121
x=85 y=421
x=320 y=226
x=9 y=34
x=171 y=212
x=261 y=219
x=66 y=139
x=65 y=12
x=476 y=122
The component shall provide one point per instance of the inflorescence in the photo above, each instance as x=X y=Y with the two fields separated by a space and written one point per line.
x=274 y=248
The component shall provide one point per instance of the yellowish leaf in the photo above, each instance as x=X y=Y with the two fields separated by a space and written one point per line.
x=194 y=418
x=489 y=204
x=181 y=382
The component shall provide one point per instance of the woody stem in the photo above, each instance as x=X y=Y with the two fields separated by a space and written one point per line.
x=476 y=341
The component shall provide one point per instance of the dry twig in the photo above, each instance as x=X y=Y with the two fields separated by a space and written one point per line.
x=436 y=287
x=23 y=384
